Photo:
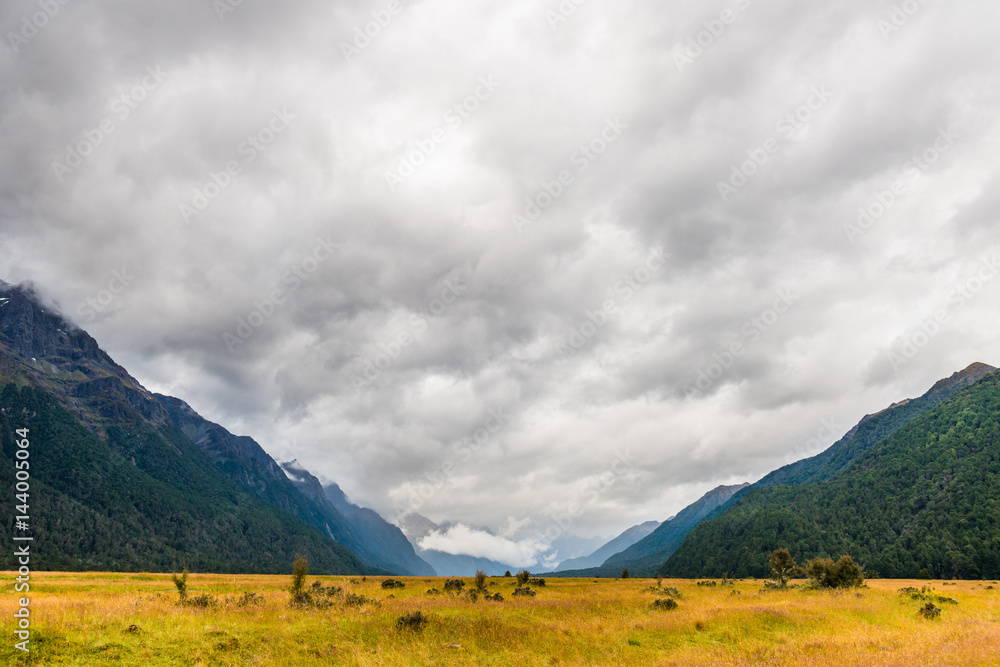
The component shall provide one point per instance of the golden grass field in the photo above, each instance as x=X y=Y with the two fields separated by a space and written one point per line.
x=85 y=619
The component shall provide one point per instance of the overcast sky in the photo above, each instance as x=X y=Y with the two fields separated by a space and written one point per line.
x=482 y=261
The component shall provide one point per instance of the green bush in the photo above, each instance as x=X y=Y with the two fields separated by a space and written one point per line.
x=667 y=604
x=844 y=573
x=522 y=577
x=181 y=584
x=414 y=621
x=392 y=583
x=481 y=580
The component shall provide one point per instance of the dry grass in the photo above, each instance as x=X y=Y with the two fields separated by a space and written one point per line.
x=84 y=619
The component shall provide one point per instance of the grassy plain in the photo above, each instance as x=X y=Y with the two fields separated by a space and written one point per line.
x=134 y=619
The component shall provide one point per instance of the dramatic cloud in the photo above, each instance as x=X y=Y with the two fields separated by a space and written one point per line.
x=570 y=264
x=461 y=540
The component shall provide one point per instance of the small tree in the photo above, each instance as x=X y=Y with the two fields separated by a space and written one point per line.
x=625 y=574
x=507 y=573
x=481 y=580
x=181 y=584
x=783 y=567
x=522 y=577
x=844 y=573
x=300 y=569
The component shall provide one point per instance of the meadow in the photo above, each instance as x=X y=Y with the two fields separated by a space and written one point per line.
x=135 y=619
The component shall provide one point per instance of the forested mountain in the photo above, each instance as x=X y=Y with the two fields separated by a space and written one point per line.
x=373 y=539
x=924 y=498
x=643 y=558
x=116 y=481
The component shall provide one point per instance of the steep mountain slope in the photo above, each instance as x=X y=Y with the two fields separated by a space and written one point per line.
x=644 y=557
x=373 y=539
x=116 y=484
x=623 y=541
x=925 y=498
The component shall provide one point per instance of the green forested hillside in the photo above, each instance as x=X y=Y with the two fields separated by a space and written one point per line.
x=141 y=501
x=925 y=498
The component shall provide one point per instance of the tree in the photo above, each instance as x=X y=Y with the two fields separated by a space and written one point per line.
x=625 y=574
x=845 y=573
x=783 y=566
x=181 y=584
x=300 y=569
x=522 y=577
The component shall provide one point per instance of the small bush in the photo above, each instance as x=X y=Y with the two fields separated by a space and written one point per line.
x=472 y=595
x=181 y=584
x=454 y=586
x=433 y=591
x=929 y=611
x=392 y=583
x=203 y=600
x=782 y=567
x=353 y=600
x=249 y=599
x=481 y=580
x=844 y=573
x=507 y=573
x=708 y=583
x=667 y=604
x=300 y=570
x=536 y=582
x=494 y=597
x=414 y=621
x=522 y=577
x=624 y=574
x=524 y=592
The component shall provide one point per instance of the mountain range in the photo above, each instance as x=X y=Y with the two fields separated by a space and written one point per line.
x=125 y=479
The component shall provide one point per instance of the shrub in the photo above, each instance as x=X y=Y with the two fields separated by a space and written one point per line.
x=929 y=611
x=414 y=621
x=249 y=599
x=782 y=567
x=625 y=574
x=667 y=604
x=454 y=585
x=353 y=600
x=524 y=592
x=393 y=583
x=536 y=582
x=507 y=573
x=844 y=573
x=481 y=580
x=203 y=600
x=433 y=591
x=300 y=569
x=494 y=597
x=708 y=583
x=522 y=577
x=472 y=595
x=181 y=584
